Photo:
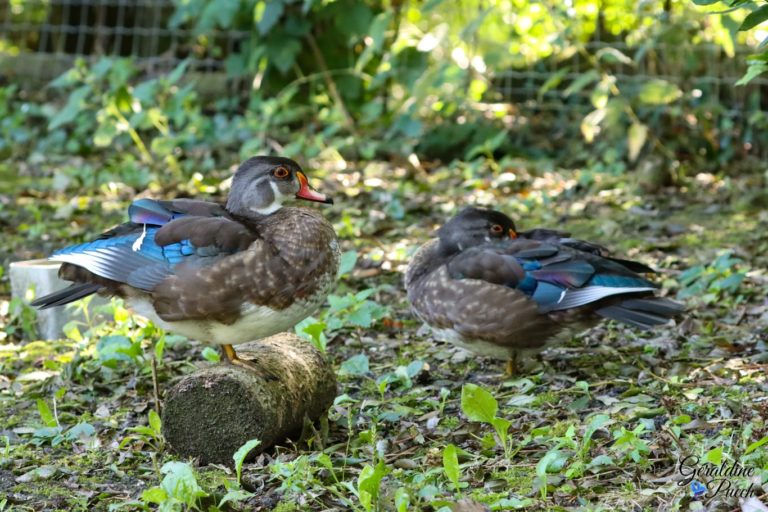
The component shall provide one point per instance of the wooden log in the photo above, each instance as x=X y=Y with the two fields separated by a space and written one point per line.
x=209 y=414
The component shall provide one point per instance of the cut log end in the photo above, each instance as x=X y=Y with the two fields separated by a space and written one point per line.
x=209 y=414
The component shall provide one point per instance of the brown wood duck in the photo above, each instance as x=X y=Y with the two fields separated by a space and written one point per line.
x=220 y=274
x=497 y=291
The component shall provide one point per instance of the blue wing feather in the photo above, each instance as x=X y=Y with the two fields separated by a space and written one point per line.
x=129 y=254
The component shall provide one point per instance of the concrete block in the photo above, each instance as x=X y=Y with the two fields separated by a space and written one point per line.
x=42 y=276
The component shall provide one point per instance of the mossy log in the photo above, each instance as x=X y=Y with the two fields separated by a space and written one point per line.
x=212 y=412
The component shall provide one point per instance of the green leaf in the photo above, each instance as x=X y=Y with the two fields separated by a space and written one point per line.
x=49 y=420
x=753 y=72
x=361 y=317
x=266 y=14
x=581 y=82
x=590 y=125
x=370 y=477
x=715 y=456
x=242 y=453
x=123 y=100
x=73 y=107
x=156 y=495
x=234 y=495
x=478 y=404
x=154 y=421
x=451 y=465
x=612 y=56
x=553 y=81
x=755 y=18
x=175 y=75
x=355 y=365
x=347 y=262
x=659 y=92
x=597 y=422
x=754 y=446
x=552 y=462
x=180 y=482
x=211 y=354
x=636 y=137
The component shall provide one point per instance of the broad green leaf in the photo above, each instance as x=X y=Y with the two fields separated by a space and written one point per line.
x=754 y=446
x=552 y=462
x=478 y=404
x=180 y=482
x=355 y=365
x=636 y=137
x=451 y=465
x=755 y=18
x=242 y=453
x=659 y=92
x=715 y=456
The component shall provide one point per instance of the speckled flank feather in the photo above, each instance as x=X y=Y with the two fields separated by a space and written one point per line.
x=473 y=313
x=288 y=261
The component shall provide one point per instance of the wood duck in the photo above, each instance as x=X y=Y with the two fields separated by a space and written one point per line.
x=221 y=274
x=497 y=291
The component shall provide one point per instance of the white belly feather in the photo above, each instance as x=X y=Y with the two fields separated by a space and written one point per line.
x=254 y=323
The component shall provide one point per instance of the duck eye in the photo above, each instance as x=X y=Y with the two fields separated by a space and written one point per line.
x=281 y=172
x=496 y=228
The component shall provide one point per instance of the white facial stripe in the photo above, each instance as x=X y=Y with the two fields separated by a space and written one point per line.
x=276 y=203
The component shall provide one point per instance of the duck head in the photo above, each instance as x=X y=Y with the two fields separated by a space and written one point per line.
x=262 y=183
x=473 y=227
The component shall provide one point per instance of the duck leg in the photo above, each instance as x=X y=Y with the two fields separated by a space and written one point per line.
x=232 y=358
x=512 y=367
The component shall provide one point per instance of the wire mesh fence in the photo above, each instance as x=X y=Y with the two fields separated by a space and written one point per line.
x=40 y=39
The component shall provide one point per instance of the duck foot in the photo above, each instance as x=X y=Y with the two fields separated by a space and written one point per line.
x=233 y=359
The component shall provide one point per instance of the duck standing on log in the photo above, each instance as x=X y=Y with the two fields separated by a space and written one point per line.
x=498 y=292
x=222 y=275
